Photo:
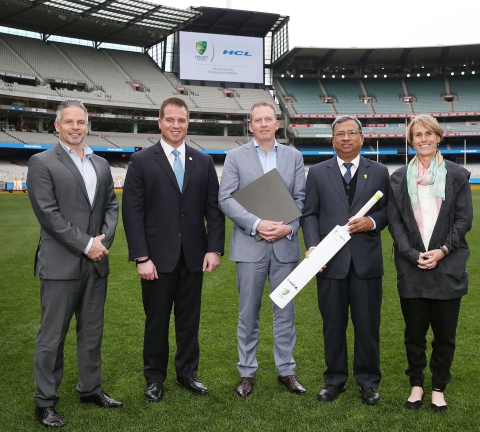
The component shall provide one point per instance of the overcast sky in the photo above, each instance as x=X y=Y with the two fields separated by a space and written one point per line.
x=367 y=23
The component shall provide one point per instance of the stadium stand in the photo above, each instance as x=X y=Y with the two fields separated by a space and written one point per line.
x=103 y=72
x=387 y=93
x=44 y=58
x=348 y=94
x=467 y=88
x=428 y=91
x=33 y=137
x=142 y=69
x=307 y=94
x=215 y=143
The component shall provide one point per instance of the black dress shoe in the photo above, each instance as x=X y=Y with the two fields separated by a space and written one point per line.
x=370 y=395
x=438 y=409
x=193 y=385
x=291 y=383
x=102 y=400
x=416 y=405
x=48 y=417
x=154 y=392
x=330 y=393
x=245 y=387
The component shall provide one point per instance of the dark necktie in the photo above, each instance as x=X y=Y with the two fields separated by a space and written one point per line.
x=348 y=174
x=178 y=169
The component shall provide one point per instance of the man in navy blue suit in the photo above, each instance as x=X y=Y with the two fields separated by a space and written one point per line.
x=170 y=192
x=336 y=190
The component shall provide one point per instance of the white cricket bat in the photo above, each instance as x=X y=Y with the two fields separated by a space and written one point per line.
x=320 y=256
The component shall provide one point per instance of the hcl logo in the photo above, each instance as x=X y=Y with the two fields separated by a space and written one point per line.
x=237 y=53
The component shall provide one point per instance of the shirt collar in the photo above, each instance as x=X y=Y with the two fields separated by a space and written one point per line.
x=355 y=161
x=167 y=148
x=87 y=151
x=275 y=145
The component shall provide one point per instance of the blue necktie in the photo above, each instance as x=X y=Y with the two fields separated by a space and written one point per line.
x=178 y=169
x=348 y=174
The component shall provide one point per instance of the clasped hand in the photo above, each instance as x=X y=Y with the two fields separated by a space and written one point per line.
x=272 y=231
x=98 y=250
x=429 y=260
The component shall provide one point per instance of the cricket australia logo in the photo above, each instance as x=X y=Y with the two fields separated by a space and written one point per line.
x=201 y=47
x=285 y=291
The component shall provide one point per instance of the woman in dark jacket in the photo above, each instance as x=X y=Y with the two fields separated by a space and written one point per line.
x=429 y=212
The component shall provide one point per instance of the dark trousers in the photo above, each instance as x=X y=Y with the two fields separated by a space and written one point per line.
x=419 y=314
x=364 y=298
x=60 y=300
x=181 y=290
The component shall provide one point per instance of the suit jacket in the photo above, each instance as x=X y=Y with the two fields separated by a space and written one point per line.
x=449 y=278
x=242 y=166
x=59 y=199
x=160 y=221
x=326 y=206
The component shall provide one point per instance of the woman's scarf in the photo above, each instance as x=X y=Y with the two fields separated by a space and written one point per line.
x=435 y=175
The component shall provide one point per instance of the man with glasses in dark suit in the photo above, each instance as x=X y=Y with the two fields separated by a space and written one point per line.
x=336 y=190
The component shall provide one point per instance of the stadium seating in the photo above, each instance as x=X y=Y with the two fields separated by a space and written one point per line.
x=44 y=58
x=387 y=93
x=467 y=88
x=34 y=137
x=102 y=71
x=348 y=94
x=307 y=94
x=428 y=91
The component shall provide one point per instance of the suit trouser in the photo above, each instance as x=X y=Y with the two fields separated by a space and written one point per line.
x=251 y=279
x=60 y=300
x=442 y=315
x=181 y=290
x=364 y=297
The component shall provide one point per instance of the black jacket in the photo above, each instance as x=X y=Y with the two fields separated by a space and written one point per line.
x=449 y=279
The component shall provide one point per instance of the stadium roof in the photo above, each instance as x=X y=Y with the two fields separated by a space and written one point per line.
x=125 y=22
x=235 y=22
x=352 y=61
x=130 y=22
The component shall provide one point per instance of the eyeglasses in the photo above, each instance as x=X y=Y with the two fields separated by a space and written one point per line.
x=350 y=133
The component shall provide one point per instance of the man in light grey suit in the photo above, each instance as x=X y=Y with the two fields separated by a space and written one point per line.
x=71 y=191
x=275 y=256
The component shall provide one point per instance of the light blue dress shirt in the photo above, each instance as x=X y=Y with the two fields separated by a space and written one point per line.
x=268 y=162
x=88 y=173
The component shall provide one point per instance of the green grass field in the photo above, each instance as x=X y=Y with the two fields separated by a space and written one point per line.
x=270 y=408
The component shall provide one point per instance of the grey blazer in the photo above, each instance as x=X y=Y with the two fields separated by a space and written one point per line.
x=67 y=220
x=326 y=206
x=242 y=166
x=449 y=278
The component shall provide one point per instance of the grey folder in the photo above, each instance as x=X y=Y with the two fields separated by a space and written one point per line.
x=268 y=198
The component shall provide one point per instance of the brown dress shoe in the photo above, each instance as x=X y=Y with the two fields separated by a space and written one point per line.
x=291 y=383
x=245 y=387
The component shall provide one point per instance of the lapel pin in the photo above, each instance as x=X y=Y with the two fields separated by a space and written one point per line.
x=365 y=176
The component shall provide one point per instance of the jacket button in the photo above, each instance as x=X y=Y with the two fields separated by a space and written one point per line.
x=181 y=214
x=179 y=234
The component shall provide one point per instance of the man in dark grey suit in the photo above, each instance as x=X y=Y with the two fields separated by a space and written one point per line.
x=71 y=191
x=274 y=257
x=336 y=190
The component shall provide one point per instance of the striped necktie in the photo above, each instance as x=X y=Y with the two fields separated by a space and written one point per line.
x=178 y=169
x=348 y=174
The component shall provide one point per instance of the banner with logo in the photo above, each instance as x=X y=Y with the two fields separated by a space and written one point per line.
x=213 y=57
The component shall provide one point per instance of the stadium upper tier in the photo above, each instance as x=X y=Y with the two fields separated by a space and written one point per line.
x=307 y=95
x=117 y=77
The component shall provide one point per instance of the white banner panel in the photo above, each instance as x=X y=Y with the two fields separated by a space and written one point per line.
x=213 y=57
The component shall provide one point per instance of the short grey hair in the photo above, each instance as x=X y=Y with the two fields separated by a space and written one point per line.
x=68 y=103
x=264 y=104
x=343 y=119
